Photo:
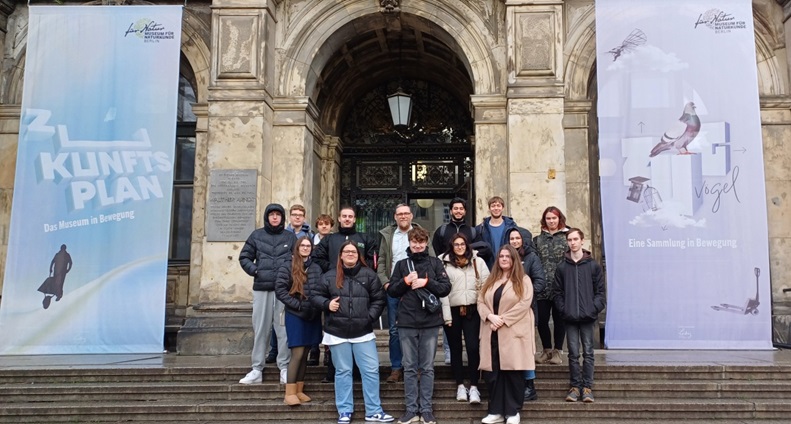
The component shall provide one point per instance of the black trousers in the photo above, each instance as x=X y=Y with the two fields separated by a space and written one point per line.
x=469 y=327
x=506 y=388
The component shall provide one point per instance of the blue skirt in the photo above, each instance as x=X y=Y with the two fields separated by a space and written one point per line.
x=302 y=333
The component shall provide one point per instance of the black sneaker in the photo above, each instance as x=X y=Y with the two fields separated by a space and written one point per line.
x=271 y=358
x=428 y=418
x=409 y=417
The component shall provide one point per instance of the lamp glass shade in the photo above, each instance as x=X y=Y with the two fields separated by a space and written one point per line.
x=400 y=107
x=425 y=203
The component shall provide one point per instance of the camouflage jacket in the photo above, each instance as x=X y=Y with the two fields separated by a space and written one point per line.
x=550 y=248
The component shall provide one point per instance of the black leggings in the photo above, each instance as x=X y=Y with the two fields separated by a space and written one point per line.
x=298 y=364
x=545 y=308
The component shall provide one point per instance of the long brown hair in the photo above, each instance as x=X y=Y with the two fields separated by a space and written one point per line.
x=298 y=274
x=339 y=266
x=516 y=275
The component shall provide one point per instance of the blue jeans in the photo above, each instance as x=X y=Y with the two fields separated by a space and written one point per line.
x=395 y=344
x=577 y=332
x=363 y=354
x=419 y=346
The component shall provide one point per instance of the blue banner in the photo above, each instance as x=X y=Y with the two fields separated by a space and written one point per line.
x=682 y=175
x=87 y=253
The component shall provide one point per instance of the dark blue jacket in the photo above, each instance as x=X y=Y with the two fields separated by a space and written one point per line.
x=486 y=236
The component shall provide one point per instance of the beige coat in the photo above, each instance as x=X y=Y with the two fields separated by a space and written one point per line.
x=464 y=287
x=517 y=336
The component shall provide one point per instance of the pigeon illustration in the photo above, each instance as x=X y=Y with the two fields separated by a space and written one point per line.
x=680 y=135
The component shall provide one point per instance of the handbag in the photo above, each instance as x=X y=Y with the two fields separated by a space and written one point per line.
x=429 y=302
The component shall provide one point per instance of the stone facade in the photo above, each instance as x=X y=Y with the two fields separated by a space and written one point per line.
x=262 y=104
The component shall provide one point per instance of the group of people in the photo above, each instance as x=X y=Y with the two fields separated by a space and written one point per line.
x=483 y=286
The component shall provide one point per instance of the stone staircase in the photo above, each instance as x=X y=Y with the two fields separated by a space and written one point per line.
x=205 y=390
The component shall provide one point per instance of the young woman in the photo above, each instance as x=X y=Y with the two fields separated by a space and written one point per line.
x=352 y=298
x=295 y=281
x=466 y=272
x=504 y=305
x=551 y=246
x=519 y=238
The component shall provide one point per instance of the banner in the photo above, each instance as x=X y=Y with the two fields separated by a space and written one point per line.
x=87 y=254
x=682 y=175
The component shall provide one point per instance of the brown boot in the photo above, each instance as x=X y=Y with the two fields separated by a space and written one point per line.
x=543 y=358
x=291 y=398
x=395 y=376
x=555 y=357
x=302 y=396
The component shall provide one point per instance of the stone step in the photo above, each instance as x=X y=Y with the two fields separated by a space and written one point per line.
x=442 y=372
x=443 y=390
x=225 y=411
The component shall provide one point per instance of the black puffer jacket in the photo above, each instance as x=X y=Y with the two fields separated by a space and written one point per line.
x=530 y=261
x=362 y=301
x=580 y=288
x=297 y=304
x=410 y=309
x=266 y=250
x=329 y=248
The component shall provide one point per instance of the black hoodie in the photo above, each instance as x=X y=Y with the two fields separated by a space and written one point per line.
x=266 y=250
x=580 y=288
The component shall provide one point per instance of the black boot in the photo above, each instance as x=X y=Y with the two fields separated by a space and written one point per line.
x=313 y=356
x=530 y=391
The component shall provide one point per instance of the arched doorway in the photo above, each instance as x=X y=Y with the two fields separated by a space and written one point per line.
x=381 y=165
x=424 y=164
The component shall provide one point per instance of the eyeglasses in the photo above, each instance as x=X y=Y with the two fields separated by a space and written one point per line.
x=404 y=214
x=459 y=245
x=297 y=215
x=305 y=246
x=349 y=252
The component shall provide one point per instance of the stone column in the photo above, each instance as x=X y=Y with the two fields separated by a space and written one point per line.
x=491 y=148
x=330 y=176
x=297 y=153
x=536 y=141
x=776 y=133
x=238 y=136
x=9 y=139
x=582 y=206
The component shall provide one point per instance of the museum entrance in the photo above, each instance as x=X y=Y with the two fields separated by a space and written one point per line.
x=425 y=163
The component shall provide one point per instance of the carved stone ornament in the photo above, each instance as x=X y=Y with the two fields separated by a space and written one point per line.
x=390 y=6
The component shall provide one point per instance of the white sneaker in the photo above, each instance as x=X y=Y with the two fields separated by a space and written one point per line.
x=492 y=419
x=252 y=377
x=283 y=375
x=475 y=395
x=461 y=393
x=513 y=420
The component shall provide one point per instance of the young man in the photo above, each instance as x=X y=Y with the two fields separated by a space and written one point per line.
x=326 y=252
x=393 y=244
x=414 y=278
x=324 y=225
x=494 y=228
x=297 y=224
x=264 y=252
x=579 y=298
x=458 y=224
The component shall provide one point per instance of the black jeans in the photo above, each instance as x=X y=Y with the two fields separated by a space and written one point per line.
x=580 y=332
x=469 y=327
x=545 y=308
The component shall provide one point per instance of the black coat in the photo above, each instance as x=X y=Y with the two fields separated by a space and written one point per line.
x=329 y=248
x=410 y=309
x=297 y=304
x=580 y=289
x=362 y=301
x=266 y=250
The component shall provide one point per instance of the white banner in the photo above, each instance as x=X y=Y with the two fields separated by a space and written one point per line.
x=87 y=253
x=682 y=175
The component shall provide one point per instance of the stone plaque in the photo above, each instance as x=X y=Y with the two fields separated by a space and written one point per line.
x=230 y=211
